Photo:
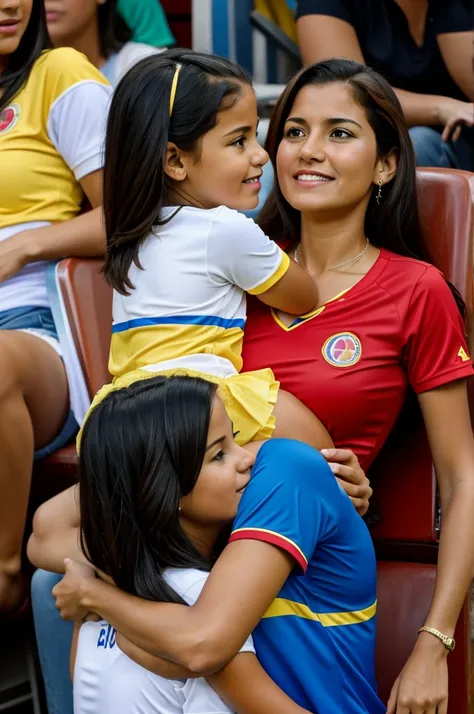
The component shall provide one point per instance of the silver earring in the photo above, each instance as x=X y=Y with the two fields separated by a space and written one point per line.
x=379 y=192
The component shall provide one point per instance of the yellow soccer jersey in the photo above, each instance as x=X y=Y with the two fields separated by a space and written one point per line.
x=51 y=136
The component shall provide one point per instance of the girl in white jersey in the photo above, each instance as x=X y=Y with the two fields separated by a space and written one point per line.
x=182 y=159
x=161 y=476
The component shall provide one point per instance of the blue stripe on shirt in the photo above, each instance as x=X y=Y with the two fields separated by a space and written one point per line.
x=206 y=320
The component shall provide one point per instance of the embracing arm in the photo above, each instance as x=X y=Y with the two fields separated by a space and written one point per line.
x=446 y=414
x=202 y=638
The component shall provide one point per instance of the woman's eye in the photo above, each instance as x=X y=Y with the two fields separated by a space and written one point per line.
x=294 y=132
x=219 y=456
x=240 y=143
x=341 y=134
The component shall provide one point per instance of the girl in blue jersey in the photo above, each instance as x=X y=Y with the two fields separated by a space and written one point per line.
x=154 y=502
x=180 y=256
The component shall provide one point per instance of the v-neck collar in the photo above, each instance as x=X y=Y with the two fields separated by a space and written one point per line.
x=371 y=275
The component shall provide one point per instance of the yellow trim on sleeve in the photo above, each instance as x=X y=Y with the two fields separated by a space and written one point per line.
x=273 y=279
x=273 y=533
x=281 y=607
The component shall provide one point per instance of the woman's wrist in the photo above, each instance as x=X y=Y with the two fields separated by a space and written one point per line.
x=431 y=645
x=92 y=594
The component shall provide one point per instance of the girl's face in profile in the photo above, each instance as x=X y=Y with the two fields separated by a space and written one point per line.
x=224 y=474
x=327 y=158
x=14 y=18
x=229 y=166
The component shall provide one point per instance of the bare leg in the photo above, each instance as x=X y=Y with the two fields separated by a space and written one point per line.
x=295 y=421
x=34 y=402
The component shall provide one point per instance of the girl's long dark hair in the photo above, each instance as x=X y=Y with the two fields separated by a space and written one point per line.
x=395 y=223
x=142 y=450
x=20 y=63
x=139 y=128
x=113 y=30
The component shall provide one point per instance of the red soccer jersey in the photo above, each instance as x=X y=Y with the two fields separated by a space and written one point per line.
x=352 y=360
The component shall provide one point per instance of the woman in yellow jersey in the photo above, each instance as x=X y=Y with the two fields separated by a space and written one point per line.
x=53 y=106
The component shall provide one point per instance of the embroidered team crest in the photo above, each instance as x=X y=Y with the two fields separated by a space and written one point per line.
x=342 y=350
x=9 y=117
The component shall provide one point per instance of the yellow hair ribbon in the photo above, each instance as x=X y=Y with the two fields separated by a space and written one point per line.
x=174 y=87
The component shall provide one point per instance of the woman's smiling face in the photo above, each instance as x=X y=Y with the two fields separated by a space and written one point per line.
x=327 y=158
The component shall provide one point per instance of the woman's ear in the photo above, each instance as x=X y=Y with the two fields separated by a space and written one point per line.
x=386 y=167
x=174 y=165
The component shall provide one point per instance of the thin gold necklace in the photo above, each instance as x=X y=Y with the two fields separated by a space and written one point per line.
x=345 y=262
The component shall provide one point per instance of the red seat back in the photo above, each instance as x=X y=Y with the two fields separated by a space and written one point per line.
x=405 y=591
x=402 y=476
x=88 y=303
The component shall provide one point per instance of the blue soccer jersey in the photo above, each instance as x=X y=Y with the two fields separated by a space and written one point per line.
x=317 y=639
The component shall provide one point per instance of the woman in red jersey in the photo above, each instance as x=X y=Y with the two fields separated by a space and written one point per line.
x=345 y=206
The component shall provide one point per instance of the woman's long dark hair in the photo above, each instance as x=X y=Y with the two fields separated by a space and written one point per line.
x=20 y=63
x=395 y=223
x=139 y=128
x=142 y=450
x=113 y=30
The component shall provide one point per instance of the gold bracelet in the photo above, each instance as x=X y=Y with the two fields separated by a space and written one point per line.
x=448 y=642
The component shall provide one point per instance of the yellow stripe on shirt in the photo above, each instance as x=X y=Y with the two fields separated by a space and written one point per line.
x=273 y=279
x=281 y=608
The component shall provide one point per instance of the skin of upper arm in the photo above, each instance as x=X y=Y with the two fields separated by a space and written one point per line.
x=456 y=50
x=92 y=187
x=294 y=293
x=322 y=37
x=242 y=585
x=247 y=689
x=448 y=425
x=75 y=639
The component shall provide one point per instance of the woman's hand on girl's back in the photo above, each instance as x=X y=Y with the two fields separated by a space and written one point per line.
x=345 y=466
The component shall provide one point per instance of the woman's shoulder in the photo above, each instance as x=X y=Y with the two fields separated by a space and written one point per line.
x=407 y=268
x=407 y=278
x=65 y=66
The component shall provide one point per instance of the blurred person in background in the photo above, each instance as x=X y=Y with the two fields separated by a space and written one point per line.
x=97 y=29
x=424 y=49
x=148 y=22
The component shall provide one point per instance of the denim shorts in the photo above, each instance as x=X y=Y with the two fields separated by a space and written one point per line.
x=39 y=321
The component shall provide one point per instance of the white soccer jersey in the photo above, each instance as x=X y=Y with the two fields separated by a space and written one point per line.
x=106 y=681
x=188 y=306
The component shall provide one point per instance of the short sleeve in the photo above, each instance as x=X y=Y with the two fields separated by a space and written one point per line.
x=292 y=500
x=79 y=99
x=435 y=349
x=333 y=8
x=453 y=16
x=239 y=252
